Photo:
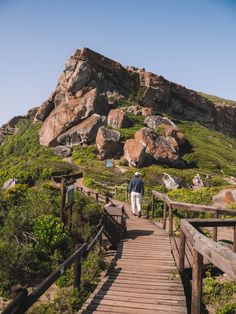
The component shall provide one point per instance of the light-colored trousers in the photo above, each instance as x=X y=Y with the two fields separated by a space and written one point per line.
x=135 y=202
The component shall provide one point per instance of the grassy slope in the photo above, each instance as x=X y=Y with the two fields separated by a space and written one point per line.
x=218 y=100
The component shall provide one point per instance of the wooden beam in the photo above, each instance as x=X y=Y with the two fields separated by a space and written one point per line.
x=219 y=255
x=181 y=251
x=164 y=215
x=171 y=222
x=196 y=283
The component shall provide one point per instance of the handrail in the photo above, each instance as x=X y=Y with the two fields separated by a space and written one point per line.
x=168 y=203
x=114 y=188
x=24 y=301
x=203 y=247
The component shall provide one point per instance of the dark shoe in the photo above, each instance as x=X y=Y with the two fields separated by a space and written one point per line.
x=139 y=214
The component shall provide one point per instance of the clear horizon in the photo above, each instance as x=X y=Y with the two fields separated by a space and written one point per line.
x=189 y=42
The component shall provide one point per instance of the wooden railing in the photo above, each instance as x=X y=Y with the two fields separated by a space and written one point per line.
x=202 y=247
x=113 y=190
x=112 y=229
x=24 y=301
x=169 y=205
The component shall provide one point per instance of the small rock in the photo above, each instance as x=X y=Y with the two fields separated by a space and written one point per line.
x=197 y=182
x=10 y=184
x=62 y=151
x=169 y=182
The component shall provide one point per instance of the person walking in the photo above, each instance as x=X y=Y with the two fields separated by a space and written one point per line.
x=136 y=189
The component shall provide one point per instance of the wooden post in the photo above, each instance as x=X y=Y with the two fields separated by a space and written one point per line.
x=234 y=243
x=89 y=193
x=181 y=251
x=63 y=200
x=70 y=217
x=115 y=191
x=171 y=221
x=96 y=196
x=196 y=283
x=77 y=270
x=164 y=215
x=152 y=210
x=215 y=231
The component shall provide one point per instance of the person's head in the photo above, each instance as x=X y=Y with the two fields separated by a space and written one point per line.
x=137 y=174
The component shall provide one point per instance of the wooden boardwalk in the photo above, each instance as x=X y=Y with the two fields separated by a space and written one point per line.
x=143 y=277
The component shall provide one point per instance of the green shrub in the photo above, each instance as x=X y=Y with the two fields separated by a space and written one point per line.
x=227 y=309
x=49 y=234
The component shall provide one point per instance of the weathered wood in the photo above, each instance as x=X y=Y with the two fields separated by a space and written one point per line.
x=234 y=243
x=216 y=215
x=152 y=208
x=196 y=283
x=77 y=270
x=13 y=307
x=63 y=200
x=171 y=221
x=212 y=222
x=221 y=256
x=164 y=215
x=181 y=251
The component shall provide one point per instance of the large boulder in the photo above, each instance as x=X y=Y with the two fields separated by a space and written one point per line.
x=108 y=143
x=165 y=126
x=135 y=154
x=118 y=119
x=154 y=122
x=162 y=149
x=68 y=115
x=83 y=133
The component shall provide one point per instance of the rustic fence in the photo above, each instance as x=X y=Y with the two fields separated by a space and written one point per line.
x=109 y=226
x=113 y=190
x=202 y=247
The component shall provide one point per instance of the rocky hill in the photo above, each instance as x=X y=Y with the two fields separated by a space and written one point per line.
x=96 y=98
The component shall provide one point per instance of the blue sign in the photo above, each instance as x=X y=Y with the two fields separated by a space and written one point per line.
x=109 y=163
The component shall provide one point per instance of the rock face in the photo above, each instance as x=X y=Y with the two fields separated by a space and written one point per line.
x=92 y=83
x=118 y=119
x=84 y=132
x=161 y=149
x=1 y=137
x=134 y=153
x=108 y=143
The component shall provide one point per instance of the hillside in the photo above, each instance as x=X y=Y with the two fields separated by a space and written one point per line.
x=101 y=110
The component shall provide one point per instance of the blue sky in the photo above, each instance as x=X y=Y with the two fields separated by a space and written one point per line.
x=191 y=42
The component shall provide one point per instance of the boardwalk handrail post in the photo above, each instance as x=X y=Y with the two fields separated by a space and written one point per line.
x=196 y=283
x=215 y=231
x=152 y=210
x=97 y=196
x=234 y=239
x=181 y=251
x=77 y=270
x=63 y=200
x=170 y=220
x=164 y=215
